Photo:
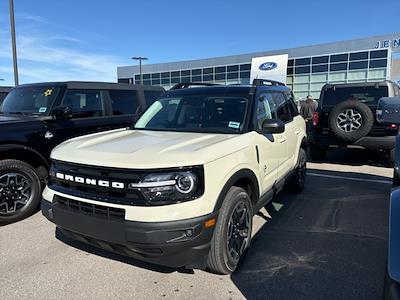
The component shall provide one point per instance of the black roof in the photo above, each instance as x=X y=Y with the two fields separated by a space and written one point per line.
x=95 y=85
x=359 y=84
x=229 y=89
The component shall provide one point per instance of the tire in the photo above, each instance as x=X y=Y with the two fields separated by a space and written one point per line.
x=220 y=260
x=350 y=120
x=317 y=153
x=298 y=179
x=20 y=190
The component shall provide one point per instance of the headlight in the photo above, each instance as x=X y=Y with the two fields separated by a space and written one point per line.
x=170 y=187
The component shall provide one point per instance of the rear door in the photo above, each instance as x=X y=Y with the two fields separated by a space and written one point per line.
x=126 y=106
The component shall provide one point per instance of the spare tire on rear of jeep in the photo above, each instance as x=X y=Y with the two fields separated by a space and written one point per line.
x=351 y=120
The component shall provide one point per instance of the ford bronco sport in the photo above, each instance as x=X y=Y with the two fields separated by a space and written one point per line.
x=180 y=187
x=34 y=118
x=346 y=118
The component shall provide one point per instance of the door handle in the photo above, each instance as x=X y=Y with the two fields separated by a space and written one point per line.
x=297 y=132
x=282 y=140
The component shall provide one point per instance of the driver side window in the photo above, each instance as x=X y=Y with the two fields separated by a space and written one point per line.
x=266 y=109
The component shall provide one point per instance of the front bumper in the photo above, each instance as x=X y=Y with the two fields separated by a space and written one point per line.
x=183 y=243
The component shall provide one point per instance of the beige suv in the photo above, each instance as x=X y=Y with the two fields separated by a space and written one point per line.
x=180 y=187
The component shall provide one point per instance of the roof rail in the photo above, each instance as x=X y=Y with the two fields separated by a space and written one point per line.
x=258 y=82
x=185 y=85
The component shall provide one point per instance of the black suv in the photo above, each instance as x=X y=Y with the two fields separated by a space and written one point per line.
x=346 y=117
x=34 y=118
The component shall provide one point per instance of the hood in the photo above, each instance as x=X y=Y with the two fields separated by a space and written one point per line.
x=137 y=149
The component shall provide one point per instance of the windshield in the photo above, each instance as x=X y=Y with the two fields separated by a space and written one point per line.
x=366 y=94
x=35 y=100
x=196 y=113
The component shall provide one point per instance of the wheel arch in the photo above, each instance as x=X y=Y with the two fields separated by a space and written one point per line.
x=25 y=154
x=244 y=178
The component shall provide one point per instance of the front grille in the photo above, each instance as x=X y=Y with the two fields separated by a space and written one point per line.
x=98 y=211
x=97 y=193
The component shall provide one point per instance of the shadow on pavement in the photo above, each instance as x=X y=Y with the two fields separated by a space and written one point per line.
x=328 y=242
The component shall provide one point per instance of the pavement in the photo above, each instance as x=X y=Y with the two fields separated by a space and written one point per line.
x=329 y=242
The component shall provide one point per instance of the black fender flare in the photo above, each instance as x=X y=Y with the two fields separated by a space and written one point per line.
x=241 y=174
x=8 y=147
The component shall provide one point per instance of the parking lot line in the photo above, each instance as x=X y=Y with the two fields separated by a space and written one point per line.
x=350 y=178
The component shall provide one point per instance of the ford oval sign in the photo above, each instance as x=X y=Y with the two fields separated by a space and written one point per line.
x=268 y=66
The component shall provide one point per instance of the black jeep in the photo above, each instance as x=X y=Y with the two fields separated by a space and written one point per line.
x=346 y=117
x=34 y=118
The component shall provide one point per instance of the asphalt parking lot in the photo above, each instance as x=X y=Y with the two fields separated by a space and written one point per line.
x=327 y=243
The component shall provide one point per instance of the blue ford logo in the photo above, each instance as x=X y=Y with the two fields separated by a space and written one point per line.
x=268 y=66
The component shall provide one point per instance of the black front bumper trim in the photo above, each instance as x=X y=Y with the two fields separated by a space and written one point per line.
x=183 y=243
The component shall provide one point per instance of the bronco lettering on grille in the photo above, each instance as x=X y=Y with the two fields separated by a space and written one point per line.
x=91 y=181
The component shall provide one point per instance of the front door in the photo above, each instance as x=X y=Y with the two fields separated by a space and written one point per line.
x=272 y=148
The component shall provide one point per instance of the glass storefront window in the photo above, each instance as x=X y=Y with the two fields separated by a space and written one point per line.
x=357 y=75
x=359 y=55
x=339 y=57
x=378 y=54
x=337 y=76
x=377 y=74
x=320 y=60
x=301 y=79
x=319 y=78
x=302 y=61
x=319 y=68
x=234 y=68
x=302 y=70
x=379 y=63
x=338 y=67
x=356 y=65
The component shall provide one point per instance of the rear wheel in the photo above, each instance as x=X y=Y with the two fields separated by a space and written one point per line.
x=232 y=233
x=20 y=190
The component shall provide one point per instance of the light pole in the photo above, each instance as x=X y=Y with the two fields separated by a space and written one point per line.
x=140 y=58
x=13 y=42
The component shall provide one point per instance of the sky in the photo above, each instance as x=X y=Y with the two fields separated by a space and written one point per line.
x=87 y=40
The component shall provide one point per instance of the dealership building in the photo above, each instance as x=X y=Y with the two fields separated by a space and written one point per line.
x=306 y=69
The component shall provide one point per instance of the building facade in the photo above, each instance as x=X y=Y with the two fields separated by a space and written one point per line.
x=308 y=68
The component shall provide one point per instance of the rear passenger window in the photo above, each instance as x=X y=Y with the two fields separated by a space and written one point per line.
x=85 y=103
x=265 y=109
x=282 y=107
x=124 y=102
x=151 y=96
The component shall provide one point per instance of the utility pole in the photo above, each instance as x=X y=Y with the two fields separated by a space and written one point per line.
x=140 y=58
x=13 y=42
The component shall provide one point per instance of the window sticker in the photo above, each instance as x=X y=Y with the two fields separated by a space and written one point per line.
x=48 y=92
x=235 y=125
x=42 y=109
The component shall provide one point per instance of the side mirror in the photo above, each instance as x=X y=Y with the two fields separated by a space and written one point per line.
x=62 y=112
x=273 y=126
x=388 y=110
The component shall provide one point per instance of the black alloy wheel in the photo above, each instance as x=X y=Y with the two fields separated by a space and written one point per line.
x=20 y=190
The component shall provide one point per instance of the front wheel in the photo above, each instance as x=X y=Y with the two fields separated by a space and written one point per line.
x=232 y=233
x=20 y=190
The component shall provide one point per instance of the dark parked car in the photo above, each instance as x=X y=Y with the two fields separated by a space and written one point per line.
x=34 y=118
x=346 y=118
x=3 y=93
x=388 y=112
